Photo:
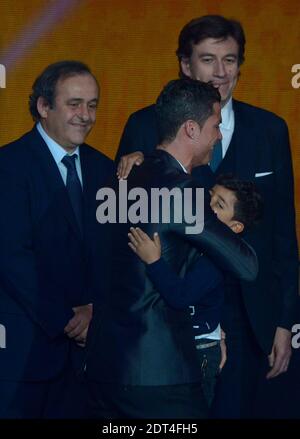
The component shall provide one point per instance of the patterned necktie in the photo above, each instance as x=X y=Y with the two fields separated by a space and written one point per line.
x=216 y=157
x=73 y=186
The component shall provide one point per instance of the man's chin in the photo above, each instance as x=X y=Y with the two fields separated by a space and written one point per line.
x=225 y=98
x=78 y=140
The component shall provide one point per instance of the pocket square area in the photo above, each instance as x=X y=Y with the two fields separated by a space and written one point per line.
x=263 y=174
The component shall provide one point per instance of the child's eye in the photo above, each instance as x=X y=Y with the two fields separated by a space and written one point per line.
x=219 y=205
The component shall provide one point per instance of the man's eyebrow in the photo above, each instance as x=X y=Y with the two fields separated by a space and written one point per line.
x=81 y=100
x=206 y=54
x=234 y=55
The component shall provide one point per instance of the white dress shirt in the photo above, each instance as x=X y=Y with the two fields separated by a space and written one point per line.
x=227 y=126
x=58 y=153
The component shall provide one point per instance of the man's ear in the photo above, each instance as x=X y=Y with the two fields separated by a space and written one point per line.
x=186 y=66
x=42 y=107
x=190 y=128
x=237 y=227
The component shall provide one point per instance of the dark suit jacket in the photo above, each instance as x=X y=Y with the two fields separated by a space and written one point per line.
x=140 y=339
x=46 y=266
x=260 y=144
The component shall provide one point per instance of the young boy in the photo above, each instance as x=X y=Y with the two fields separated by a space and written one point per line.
x=238 y=205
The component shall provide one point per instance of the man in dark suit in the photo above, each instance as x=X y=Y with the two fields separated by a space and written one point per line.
x=255 y=146
x=50 y=247
x=142 y=361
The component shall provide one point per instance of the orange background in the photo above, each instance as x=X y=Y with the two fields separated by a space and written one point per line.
x=130 y=45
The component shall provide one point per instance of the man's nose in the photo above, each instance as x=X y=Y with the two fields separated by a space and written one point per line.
x=219 y=69
x=83 y=112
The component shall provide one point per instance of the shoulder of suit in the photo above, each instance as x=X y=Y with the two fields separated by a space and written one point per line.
x=163 y=167
x=257 y=112
x=16 y=157
x=95 y=154
x=18 y=146
x=144 y=113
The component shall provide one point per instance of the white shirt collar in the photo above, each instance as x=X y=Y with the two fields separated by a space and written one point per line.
x=183 y=168
x=227 y=116
x=57 y=151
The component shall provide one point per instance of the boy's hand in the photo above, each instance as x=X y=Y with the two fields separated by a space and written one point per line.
x=147 y=249
x=127 y=162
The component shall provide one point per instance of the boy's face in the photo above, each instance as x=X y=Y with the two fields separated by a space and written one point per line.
x=222 y=203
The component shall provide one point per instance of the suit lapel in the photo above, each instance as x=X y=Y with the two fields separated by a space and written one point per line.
x=52 y=178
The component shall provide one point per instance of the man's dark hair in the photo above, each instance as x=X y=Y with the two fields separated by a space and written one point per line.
x=45 y=83
x=248 y=208
x=209 y=26
x=182 y=100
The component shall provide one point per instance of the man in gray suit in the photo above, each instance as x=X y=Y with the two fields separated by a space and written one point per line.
x=142 y=361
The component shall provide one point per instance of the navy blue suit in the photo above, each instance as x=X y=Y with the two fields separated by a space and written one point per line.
x=260 y=145
x=46 y=266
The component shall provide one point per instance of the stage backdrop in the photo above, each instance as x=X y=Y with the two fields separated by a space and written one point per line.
x=130 y=45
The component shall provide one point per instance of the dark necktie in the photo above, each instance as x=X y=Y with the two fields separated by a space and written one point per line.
x=73 y=186
x=216 y=157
